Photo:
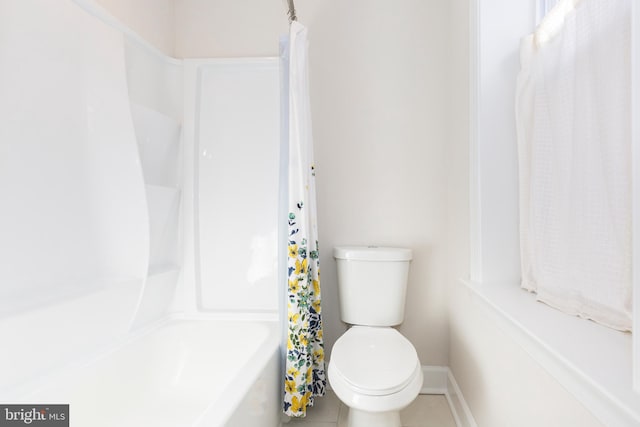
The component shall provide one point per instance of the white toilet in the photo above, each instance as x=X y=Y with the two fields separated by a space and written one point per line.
x=373 y=369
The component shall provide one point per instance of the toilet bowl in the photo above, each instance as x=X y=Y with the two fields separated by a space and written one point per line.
x=373 y=369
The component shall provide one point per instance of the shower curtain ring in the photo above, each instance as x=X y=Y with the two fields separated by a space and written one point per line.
x=292 y=12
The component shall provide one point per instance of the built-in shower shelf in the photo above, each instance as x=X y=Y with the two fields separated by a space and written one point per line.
x=158 y=292
x=164 y=211
x=167 y=189
x=163 y=203
x=159 y=145
x=159 y=139
x=156 y=115
x=160 y=269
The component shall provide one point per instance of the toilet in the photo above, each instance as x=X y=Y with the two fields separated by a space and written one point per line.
x=373 y=369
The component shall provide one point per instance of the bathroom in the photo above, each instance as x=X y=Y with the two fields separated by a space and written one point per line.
x=391 y=84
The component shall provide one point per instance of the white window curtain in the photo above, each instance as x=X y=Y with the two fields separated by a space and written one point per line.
x=573 y=123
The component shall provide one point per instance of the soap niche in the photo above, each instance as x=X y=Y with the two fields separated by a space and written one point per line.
x=159 y=140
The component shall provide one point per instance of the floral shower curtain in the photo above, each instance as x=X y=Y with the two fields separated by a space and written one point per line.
x=304 y=365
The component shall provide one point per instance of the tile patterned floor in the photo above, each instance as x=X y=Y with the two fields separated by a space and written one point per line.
x=425 y=411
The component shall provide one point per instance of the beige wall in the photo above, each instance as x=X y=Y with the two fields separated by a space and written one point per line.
x=229 y=28
x=379 y=100
x=502 y=384
x=153 y=20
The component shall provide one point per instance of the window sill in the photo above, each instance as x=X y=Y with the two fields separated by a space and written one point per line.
x=591 y=361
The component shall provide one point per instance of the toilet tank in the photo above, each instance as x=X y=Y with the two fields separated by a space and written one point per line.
x=372 y=284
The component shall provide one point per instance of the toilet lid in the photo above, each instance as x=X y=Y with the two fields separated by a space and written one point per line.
x=374 y=361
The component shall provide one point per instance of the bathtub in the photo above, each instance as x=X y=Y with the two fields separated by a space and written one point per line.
x=182 y=373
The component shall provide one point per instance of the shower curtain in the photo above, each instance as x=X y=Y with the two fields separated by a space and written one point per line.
x=304 y=362
x=573 y=122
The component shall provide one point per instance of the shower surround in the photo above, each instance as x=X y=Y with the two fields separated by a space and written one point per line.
x=139 y=224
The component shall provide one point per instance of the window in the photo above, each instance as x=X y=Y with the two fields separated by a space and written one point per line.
x=494 y=272
x=545 y=6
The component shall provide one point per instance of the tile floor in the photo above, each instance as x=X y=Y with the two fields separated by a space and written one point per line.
x=425 y=411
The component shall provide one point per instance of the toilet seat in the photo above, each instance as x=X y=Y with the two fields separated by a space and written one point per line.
x=374 y=361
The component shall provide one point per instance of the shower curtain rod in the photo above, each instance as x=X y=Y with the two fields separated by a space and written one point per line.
x=292 y=11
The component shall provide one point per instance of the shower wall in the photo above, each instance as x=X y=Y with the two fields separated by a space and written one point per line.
x=228 y=162
x=75 y=243
x=232 y=146
x=66 y=131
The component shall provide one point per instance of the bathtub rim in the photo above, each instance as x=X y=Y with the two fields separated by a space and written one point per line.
x=214 y=413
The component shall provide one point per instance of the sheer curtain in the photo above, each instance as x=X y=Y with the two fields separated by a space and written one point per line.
x=573 y=123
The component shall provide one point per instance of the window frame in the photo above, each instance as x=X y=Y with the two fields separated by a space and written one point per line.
x=493 y=53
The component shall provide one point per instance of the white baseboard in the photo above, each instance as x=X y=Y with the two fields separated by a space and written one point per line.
x=440 y=380
x=434 y=379
x=459 y=408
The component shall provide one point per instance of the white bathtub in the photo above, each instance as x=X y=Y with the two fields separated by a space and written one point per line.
x=183 y=373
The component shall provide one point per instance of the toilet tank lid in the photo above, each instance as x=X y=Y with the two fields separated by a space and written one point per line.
x=372 y=253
